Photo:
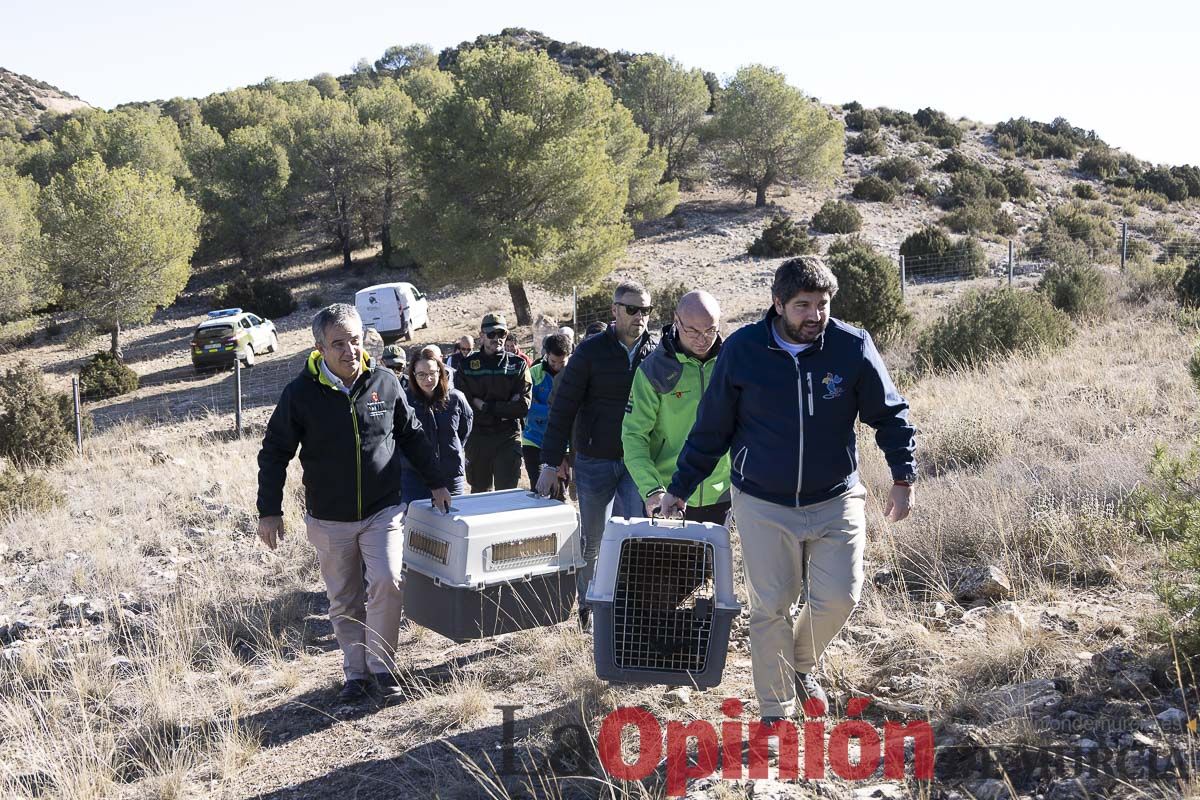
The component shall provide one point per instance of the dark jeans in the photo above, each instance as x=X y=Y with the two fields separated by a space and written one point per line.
x=605 y=489
x=533 y=463
x=493 y=458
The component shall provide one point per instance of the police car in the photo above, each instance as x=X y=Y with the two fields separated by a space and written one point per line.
x=231 y=334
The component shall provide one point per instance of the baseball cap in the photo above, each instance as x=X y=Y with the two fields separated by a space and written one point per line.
x=393 y=354
x=494 y=322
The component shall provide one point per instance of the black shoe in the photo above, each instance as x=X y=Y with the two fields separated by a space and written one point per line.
x=808 y=694
x=354 y=690
x=387 y=684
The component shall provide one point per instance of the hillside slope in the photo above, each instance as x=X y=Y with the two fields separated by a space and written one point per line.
x=26 y=98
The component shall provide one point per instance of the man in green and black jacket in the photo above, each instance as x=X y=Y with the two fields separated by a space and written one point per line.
x=348 y=418
x=662 y=408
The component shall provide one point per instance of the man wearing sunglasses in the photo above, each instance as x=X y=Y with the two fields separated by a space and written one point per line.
x=497 y=386
x=662 y=409
x=588 y=406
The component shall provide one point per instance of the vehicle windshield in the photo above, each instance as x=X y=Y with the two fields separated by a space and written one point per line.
x=213 y=333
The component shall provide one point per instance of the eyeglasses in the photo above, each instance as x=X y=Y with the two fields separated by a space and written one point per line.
x=635 y=310
x=696 y=332
x=496 y=334
x=426 y=376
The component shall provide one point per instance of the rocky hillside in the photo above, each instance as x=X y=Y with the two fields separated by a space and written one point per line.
x=23 y=97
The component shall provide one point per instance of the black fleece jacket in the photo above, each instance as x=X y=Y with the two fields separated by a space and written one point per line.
x=348 y=445
x=590 y=396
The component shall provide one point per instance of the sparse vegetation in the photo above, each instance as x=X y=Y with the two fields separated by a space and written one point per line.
x=782 y=237
x=869 y=289
x=36 y=427
x=837 y=216
x=988 y=325
x=874 y=189
x=261 y=296
x=1187 y=289
x=867 y=143
x=1079 y=290
x=105 y=375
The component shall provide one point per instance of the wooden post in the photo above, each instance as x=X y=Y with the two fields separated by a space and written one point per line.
x=1124 y=243
x=1010 y=263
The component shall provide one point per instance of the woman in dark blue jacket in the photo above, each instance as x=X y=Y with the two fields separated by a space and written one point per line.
x=445 y=417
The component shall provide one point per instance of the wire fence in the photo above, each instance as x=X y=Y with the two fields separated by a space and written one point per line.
x=1013 y=263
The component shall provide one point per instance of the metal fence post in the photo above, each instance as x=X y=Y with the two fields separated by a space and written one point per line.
x=902 y=277
x=1010 y=263
x=78 y=414
x=1124 y=243
x=237 y=396
x=575 y=313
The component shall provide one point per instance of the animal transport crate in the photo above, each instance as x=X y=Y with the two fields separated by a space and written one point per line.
x=662 y=602
x=498 y=562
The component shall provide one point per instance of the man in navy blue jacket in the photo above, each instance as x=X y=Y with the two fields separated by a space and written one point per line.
x=783 y=401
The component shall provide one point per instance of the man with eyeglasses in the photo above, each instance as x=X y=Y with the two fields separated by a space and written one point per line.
x=588 y=407
x=497 y=386
x=662 y=409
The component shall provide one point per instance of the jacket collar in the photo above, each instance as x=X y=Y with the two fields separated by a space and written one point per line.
x=646 y=338
x=668 y=342
x=768 y=322
x=312 y=369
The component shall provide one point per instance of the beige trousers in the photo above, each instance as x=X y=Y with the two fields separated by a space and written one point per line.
x=812 y=554
x=366 y=617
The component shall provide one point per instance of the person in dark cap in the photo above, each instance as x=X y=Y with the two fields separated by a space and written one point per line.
x=395 y=359
x=497 y=386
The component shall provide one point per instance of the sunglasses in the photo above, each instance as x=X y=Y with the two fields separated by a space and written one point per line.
x=634 y=310
x=496 y=334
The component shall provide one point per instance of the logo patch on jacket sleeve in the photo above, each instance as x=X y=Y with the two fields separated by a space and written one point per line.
x=475 y=364
x=833 y=386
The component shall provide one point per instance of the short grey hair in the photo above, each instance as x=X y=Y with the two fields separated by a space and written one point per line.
x=342 y=314
x=628 y=287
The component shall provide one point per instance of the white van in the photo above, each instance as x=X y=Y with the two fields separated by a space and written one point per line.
x=393 y=309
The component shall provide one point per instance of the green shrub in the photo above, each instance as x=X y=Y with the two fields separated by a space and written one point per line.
x=868 y=289
x=837 y=216
x=1085 y=191
x=979 y=217
x=874 y=189
x=853 y=105
x=1077 y=232
x=26 y=493
x=665 y=298
x=104 y=376
x=782 y=237
x=316 y=301
x=1194 y=368
x=862 y=120
x=1006 y=144
x=867 y=143
x=1100 y=162
x=925 y=188
x=939 y=127
x=258 y=295
x=899 y=168
x=895 y=119
x=957 y=162
x=1188 y=287
x=1057 y=139
x=930 y=252
x=992 y=324
x=1081 y=291
x=1016 y=182
x=1150 y=279
x=34 y=431
x=1167 y=509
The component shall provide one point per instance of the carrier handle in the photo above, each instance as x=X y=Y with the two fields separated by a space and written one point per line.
x=656 y=519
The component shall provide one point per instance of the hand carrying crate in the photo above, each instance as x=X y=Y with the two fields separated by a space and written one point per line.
x=662 y=602
x=498 y=562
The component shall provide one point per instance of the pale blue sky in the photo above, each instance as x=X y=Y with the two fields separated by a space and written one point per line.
x=1126 y=70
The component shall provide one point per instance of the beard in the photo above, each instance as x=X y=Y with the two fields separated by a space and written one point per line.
x=803 y=334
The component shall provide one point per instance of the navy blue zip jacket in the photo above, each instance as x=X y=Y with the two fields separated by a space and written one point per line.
x=788 y=423
x=447 y=428
x=350 y=445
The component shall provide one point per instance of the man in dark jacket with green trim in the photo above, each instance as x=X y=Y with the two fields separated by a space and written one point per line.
x=349 y=418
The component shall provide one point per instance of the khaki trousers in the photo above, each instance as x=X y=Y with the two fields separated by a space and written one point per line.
x=812 y=554
x=366 y=618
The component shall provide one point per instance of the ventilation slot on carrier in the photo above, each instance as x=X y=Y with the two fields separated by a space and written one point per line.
x=428 y=546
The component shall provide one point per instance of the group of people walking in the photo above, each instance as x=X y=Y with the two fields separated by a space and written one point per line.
x=678 y=422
